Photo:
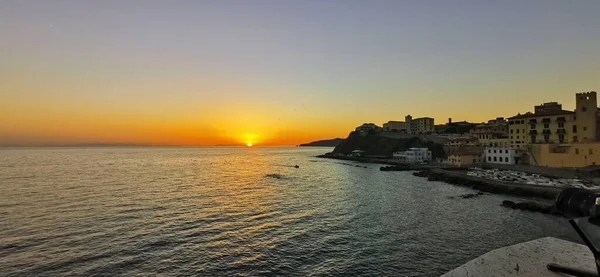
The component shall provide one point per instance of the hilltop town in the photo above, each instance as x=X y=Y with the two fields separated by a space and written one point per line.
x=550 y=136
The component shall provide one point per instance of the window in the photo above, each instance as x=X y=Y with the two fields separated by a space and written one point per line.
x=511 y=137
x=574 y=128
x=561 y=138
x=585 y=128
x=591 y=152
x=576 y=150
x=506 y=151
x=532 y=126
x=546 y=138
x=511 y=131
x=517 y=137
x=494 y=150
x=574 y=138
x=506 y=159
x=523 y=131
x=561 y=125
x=584 y=109
x=532 y=138
x=518 y=131
x=546 y=125
x=489 y=159
x=495 y=160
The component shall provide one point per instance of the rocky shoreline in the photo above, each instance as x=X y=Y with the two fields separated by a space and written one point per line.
x=460 y=177
x=491 y=186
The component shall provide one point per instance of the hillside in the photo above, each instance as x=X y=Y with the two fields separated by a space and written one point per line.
x=375 y=144
x=327 y=142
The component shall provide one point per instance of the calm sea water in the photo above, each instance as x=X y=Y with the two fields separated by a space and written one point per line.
x=239 y=211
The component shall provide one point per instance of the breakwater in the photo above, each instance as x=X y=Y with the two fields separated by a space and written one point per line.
x=456 y=177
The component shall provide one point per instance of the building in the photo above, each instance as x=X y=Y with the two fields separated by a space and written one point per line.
x=464 y=158
x=366 y=127
x=564 y=155
x=462 y=142
x=462 y=127
x=423 y=125
x=551 y=124
x=495 y=142
x=548 y=107
x=394 y=126
x=502 y=155
x=491 y=133
x=413 y=155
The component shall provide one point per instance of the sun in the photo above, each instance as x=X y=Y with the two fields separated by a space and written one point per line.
x=249 y=144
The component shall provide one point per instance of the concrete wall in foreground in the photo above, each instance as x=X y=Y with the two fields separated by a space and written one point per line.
x=528 y=259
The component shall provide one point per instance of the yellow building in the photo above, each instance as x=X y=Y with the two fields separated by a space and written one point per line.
x=463 y=158
x=567 y=155
x=551 y=124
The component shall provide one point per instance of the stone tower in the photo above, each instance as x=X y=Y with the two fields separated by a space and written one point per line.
x=586 y=112
x=409 y=127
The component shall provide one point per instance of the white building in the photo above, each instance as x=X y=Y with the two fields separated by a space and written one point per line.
x=413 y=155
x=501 y=155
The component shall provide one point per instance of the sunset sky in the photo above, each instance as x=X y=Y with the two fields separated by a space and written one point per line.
x=281 y=72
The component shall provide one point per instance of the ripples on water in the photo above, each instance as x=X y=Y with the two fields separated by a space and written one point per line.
x=219 y=211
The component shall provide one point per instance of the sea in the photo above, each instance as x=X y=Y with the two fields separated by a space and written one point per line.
x=238 y=211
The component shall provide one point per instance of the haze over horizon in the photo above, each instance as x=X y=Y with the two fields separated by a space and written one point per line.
x=281 y=72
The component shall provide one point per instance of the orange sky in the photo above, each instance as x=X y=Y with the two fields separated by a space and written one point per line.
x=280 y=72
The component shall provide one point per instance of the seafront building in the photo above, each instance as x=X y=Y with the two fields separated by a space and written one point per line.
x=549 y=123
x=549 y=136
x=501 y=155
x=463 y=158
x=413 y=155
x=553 y=137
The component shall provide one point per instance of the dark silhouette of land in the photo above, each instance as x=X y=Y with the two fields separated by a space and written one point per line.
x=327 y=142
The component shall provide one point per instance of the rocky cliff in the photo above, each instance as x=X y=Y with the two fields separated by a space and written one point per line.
x=376 y=144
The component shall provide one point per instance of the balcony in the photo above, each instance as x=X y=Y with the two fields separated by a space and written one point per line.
x=533 y=132
x=561 y=131
x=546 y=132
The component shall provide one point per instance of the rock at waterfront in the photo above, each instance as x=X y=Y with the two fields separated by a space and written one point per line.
x=531 y=206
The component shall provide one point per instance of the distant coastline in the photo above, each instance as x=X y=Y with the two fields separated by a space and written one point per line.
x=325 y=143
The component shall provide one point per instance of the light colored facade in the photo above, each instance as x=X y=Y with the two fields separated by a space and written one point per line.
x=421 y=125
x=394 y=125
x=501 y=155
x=413 y=155
x=495 y=142
x=490 y=130
x=565 y=155
x=552 y=125
x=463 y=158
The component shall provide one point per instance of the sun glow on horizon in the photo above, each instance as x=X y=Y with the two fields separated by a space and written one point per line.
x=249 y=144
